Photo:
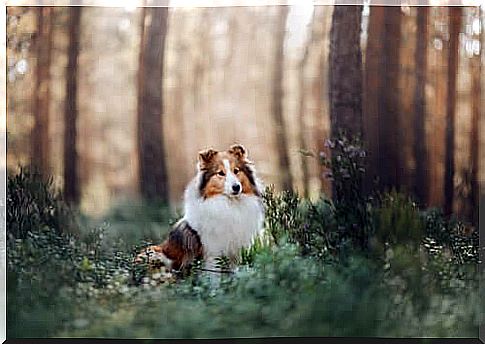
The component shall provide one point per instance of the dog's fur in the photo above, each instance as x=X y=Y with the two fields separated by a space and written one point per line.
x=223 y=211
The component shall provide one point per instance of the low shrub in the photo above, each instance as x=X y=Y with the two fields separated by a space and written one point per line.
x=282 y=294
x=311 y=225
x=306 y=277
x=397 y=220
x=32 y=203
x=352 y=206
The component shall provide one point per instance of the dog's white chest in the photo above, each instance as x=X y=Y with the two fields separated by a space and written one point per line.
x=225 y=225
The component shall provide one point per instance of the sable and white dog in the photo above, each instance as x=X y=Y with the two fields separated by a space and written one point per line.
x=223 y=212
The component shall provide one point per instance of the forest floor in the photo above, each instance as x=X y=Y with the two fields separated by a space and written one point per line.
x=71 y=276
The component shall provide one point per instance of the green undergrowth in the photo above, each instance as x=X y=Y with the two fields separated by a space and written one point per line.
x=408 y=273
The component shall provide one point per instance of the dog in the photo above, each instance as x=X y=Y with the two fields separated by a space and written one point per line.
x=223 y=212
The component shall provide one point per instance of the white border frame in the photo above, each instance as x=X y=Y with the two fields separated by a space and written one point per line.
x=139 y=3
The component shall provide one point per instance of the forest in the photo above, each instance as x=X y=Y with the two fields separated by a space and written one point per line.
x=364 y=123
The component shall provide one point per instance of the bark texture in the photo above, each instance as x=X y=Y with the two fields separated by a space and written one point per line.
x=345 y=72
x=71 y=177
x=281 y=137
x=454 y=29
x=420 y=153
x=152 y=163
x=40 y=133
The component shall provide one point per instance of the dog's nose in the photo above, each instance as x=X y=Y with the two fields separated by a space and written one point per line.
x=236 y=188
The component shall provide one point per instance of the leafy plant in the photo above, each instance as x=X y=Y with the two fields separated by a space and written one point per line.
x=303 y=278
x=397 y=220
x=311 y=225
x=347 y=165
x=462 y=240
x=32 y=203
x=281 y=213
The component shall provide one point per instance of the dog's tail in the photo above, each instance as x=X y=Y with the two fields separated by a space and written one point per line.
x=181 y=248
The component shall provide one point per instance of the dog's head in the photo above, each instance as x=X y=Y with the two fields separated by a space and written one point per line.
x=227 y=173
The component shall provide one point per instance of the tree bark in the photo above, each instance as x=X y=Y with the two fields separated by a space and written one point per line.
x=71 y=177
x=436 y=107
x=40 y=133
x=420 y=153
x=382 y=94
x=389 y=100
x=301 y=129
x=281 y=137
x=454 y=30
x=319 y=93
x=407 y=89
x=152 y=164
x=302 y=108
x=345 y=72
x=476 y=99
x=372 y=89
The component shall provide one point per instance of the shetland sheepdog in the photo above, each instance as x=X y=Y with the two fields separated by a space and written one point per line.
x=223 y=212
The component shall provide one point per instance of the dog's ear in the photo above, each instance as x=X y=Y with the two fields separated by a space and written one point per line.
x=238 y=151
x=206 y=156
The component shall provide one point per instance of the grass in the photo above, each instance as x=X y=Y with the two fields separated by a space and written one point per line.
x=310 y=275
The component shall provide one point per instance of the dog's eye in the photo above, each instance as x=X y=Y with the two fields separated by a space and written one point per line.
x=236 y=170
x=221 y=173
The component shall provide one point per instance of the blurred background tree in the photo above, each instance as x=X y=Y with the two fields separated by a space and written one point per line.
x=151 y=153
x=278 y=97
x=40 y=132
x=71 y=165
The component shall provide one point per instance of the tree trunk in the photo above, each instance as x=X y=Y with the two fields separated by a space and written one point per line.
x=301 y=129
x=302 y=108
x=382 y=93
x=152 y=165
x=407 y=88
x=345 y=72
x=71 y=177
x=454 y=29
x=40 y=133
x=389 y=100
x=277 y=99
x=420 y=153
x=476 y=99
x=319 y=93
x=436 y=106
x=372 y=89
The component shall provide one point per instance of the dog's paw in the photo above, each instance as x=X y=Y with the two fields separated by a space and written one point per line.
x=150 y=254
x=158 y=266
